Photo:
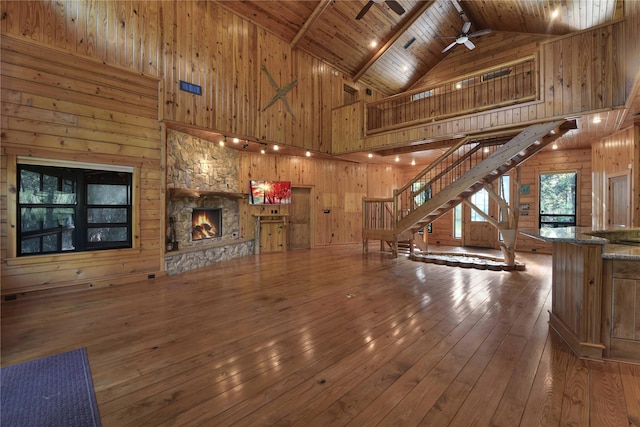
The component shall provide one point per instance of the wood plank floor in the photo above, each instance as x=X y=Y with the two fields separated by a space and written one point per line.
x=327 y=337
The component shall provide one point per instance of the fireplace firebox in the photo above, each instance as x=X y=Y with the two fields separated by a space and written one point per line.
x=206 y=223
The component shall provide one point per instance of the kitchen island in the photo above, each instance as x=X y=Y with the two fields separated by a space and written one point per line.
x=595 y=290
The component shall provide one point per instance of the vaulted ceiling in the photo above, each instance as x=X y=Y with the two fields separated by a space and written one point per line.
x=408 y=45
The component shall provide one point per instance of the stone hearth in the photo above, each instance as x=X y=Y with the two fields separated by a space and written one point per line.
x=212 y=171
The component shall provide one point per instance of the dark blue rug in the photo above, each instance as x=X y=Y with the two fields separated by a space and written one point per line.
x=53 y=391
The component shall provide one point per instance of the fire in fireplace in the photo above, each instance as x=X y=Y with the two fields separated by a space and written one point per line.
x=206 y=224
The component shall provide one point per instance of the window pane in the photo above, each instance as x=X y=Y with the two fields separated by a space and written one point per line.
x=103 y=194
x=67 y=241
x=422 y=196
x=66 y=209
x=30 y=246
x=33 y=219
x=29 y=186
x=106 y=215
x=50 y=243
x=49 y=183
x=558 y=199
x=107 y=234
x=481 y=200
x=457 y=222
x=558 y=193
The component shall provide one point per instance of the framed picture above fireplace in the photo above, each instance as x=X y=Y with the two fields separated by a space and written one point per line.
x=206 y=223
x=270 y=193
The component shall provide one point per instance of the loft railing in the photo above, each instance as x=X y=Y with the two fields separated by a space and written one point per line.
x=510 y=83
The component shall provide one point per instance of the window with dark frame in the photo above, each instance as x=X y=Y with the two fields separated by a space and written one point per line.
x=558 y=201
x=63 y=209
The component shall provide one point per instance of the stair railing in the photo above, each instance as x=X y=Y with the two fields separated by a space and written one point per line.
x=454 y=163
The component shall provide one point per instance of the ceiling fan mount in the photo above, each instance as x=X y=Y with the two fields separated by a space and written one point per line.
x=393 y=5
x=464 y=36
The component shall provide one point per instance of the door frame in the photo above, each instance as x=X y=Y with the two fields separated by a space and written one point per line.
x=312 y=216
x=607 y=213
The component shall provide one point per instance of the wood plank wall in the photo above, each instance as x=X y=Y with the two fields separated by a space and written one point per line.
x=612 y=157
x=336 y=186
x=59 y=105
x=547 y=160
x=203 y=43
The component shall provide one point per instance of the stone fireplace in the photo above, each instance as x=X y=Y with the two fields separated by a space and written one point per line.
x=203 y=204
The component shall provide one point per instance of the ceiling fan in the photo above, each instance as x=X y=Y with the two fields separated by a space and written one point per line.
x=393 y=5
x=464 y=36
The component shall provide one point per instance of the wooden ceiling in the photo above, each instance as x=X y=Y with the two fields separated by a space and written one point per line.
x=328 y=30
x=408 y=45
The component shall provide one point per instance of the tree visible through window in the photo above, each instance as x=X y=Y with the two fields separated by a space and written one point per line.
x=71 y=210
x=558 y=199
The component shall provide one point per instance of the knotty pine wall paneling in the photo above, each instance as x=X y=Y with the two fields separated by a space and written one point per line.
x=549 y=160
x=584 y=71
x=336 y=186
x=615 y=155
x=62 y=106
x=199 y=42
x=632 y=43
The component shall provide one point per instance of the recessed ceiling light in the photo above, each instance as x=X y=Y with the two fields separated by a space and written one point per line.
x=275 y=147
x=370 y=155
x=459 y=85
x=374 y=43
x=221 y=143
x=405 y=68
x=397 y=159
x=308 y=154
x=236 y=140
x=413 y=162
x=554 y=146
x=597 y=120
x=555 y=14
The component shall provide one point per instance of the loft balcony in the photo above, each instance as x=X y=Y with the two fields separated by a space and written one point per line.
x=573 y=76
x=511 y=83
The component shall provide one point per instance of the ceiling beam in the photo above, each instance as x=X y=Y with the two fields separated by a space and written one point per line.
x=419 y=147
x=423 y=8
x=309 y=22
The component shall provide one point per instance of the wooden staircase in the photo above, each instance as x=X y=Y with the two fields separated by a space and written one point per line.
x=459 y=173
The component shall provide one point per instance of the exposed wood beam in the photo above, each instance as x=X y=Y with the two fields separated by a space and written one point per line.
x=423 y=8
x=419 y=147
x=309 y=22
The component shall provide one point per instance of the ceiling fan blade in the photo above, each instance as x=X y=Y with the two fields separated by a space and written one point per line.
x=449 y=47
x=446 y=37
x=470 y=44
x=395 y=6
x=479 y=33
x=466 y=27
x=365 y=9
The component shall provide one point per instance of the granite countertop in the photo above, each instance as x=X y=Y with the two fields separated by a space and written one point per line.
x=620 y=243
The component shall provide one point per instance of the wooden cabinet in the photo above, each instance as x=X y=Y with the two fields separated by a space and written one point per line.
x=271 y=233
x=621 y=309
x=576 y=296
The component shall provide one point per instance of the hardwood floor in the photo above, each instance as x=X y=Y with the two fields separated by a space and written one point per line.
x=327 y=337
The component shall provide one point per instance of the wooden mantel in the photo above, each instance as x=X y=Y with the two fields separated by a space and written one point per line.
x=182 y=193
